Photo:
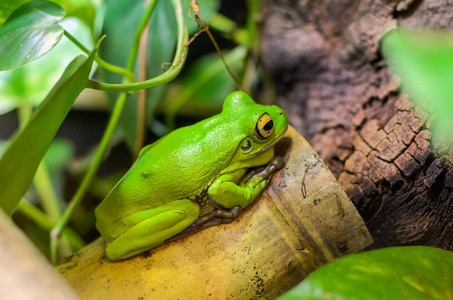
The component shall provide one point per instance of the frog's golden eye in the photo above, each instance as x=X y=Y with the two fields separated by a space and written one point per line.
x=264 y=127
x=246 y=145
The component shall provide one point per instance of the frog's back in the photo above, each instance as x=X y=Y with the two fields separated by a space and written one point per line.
x=179 y=166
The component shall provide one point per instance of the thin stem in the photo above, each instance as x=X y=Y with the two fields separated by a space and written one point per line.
x=102 y=63
x=211 y=37
x=82 y=189
x=113 y=122
x=141 y=105
x=42 y=221
x=138 y=34
x=238 y=85
x=233 y=57
x=170 y=74
x=46 y=191
x=76 y=42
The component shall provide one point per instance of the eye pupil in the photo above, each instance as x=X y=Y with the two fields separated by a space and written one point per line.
x=268 y=125
x=247 y=147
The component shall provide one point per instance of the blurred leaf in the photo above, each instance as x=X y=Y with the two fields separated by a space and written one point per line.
x=8 y=6
x=20 y=161
x=424 y=61
x=414 y=272
x=59 y=153
x=82 y=9
x=223 y=24
x=209 y=79
x=56 y=160
x=121 y=21
x=3 y=145
x=30 y=83
x=205 y=85
x=30 y=32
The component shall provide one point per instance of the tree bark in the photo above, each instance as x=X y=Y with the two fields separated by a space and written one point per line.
x=332 y=80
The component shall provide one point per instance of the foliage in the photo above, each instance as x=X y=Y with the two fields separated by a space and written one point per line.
x=23 y=31
x=38 y=45
x=159 y=47
x=413 y=272
x=28 y=85
x=18 y=164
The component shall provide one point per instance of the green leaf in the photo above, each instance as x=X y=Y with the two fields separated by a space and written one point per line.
x=424 y=61
x=121 y=21
x=56 y=159
x=29 y=84
x=81 y=9
x=30 y=32
x=20 y=161
x=413 y=272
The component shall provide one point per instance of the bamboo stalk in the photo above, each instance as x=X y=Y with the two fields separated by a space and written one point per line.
x=271 y=247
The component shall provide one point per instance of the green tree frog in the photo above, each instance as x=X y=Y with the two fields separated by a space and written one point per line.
x=192 y=178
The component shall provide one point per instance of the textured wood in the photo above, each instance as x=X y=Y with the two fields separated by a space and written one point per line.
x=331 y=78
x=271 y=247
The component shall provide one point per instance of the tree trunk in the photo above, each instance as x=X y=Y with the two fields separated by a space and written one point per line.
x=332 y=80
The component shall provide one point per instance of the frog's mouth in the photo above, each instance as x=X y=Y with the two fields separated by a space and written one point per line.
x=267 y=147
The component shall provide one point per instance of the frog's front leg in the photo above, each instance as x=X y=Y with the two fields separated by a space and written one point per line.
x=230 y=198
x=225 y=193
x=274 y=165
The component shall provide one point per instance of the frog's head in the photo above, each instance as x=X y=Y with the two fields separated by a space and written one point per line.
x=258 y=128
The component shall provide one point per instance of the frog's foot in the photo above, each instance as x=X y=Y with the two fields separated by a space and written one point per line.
x=259 y=181
x=217 y=217
x=273 y=166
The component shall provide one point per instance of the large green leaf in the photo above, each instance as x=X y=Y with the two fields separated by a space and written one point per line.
x=20 y=161
x=82 y=9
x=424 y=61
x=30 y=32
x=29 y=84
x=121 y=21
x=414 y=272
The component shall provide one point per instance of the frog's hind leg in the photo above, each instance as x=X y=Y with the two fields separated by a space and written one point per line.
x=149 y=229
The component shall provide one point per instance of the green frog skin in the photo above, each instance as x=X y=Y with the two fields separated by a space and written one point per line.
x=161 y=196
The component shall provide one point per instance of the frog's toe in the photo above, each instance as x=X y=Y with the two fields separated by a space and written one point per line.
x=255 y=181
